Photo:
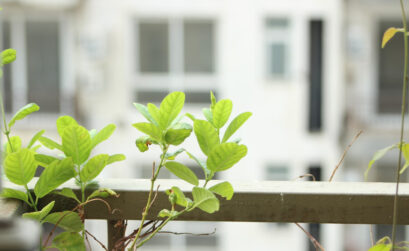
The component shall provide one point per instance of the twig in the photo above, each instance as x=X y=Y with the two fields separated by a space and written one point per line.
x=100 y=243
x=154 y=197
x=314 y=241
x=306 y=175
x=344 y=154
x=186 y=233
x=89 y=244
x=125 y=240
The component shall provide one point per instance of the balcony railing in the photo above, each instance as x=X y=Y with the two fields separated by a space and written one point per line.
x=256 y=201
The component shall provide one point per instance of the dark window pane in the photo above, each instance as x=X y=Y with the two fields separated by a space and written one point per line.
x=153 y=47
x=390 y=71
x=144 y=97
x=315 y=92
x=198 y=46
x=314 y=229
x=277 y=23
x=277 y=59
x=43 y=71
x=7 y=92
x=198 y=97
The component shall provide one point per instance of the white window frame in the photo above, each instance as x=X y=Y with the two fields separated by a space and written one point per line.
x=175 y=79
x=17 y=20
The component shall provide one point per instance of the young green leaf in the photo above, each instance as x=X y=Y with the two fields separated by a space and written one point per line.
x=164 y=213
x=93 y=133
x=182 y=172
x=57 y=173
x=235 y=125
x=39 y=216
x=93 y=167
x=191 y=117
x=20 y=166
x=225 y=155
x=170 y=108
x=143 y=142
x=212 y=100
x=208 y=115
x=67 y=192
x=405 y=151
x=68 y=241
x=49 y=143
x=181 y=200
x=115 y=158
x=64 y=122
x=172 y=156
x=103 y=192
x=221 y=112
x=8 y=56
x=23 y=112
x=206 y=135
x=14 y=194
x=177 y=136
x=379 y=154
x=388 y=35
x=15 y=143
x=103 y=135
x=205 y=200
x=224 y=189
x=149 y=129
x=44 y=160
x=144 y=111
x=68 y=221
x=76 y=143
x=200 y=163
x=155 y=113
x=35 y=138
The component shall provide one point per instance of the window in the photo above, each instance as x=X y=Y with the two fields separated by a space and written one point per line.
x=174 y=55
x=277 y=173
x=38 y=76
x=277 y=49
x=390 y=71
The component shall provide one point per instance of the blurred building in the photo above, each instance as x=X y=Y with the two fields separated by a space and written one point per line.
x=312 y=72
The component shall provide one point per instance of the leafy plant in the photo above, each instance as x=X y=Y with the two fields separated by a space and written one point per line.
x=165 y=128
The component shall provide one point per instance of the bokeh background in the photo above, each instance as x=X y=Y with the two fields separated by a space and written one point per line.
x=311 y=71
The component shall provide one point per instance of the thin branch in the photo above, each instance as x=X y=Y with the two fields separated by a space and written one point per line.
x=89 y=244
x=314 y=241
x=154 y=197
x=187 y=233
x=344 y=154
x=100 y=243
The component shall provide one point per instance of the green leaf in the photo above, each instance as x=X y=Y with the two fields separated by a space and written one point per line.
x=200 y=163
x=67 y=192
x=149 y=129
x=205 y=200
x=225 y=156
x=388 y=35
x=206 y=135
x=144 y=111
x=212 y=100
x=155 y=113
x=57 y=173
x=23 y=112
x=115 y=158
x=191 y=117
x=235 y=125
x=164 y=213
x=208 y=114
x=170 y=108
x=172 y=156
x=35 y=138
x=49 y=143
x=379 y=154
x=69 y=241
x=15 y=143
x=381 y=247
x=76 y=143
x=20 y=166
x=44 y=160
x=143 y=142
x=93 y=167
x=63 y=122
x=181 y=200
x=103 y=192
x=8 y=56
x=39 y=216
x=68 y=221
x=92 y=133
x=103 y=135
x=224 y=189
x=14 y=194
x=405 y=151
x=221 y=112
x=177 y=136
x=182 y=172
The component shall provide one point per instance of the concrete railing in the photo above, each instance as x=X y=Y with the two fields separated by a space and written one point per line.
x=253 y=201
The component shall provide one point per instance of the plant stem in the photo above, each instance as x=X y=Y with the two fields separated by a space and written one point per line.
x=31 y=198
x=148 y=203
x=395 y=203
